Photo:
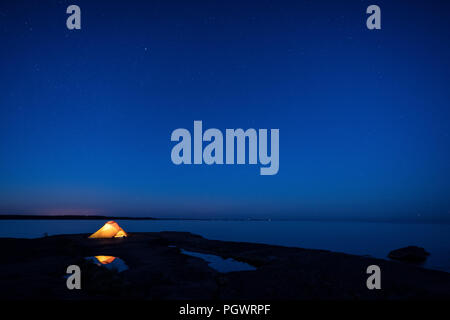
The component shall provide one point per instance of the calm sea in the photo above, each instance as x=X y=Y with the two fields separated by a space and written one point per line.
x=361 y=238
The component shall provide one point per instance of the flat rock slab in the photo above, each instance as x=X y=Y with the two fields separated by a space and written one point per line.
x=35 y=269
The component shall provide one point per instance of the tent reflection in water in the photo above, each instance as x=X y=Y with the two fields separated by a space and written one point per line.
x=105 y=259
x=110 y=230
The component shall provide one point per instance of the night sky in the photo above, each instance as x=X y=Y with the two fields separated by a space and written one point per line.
x=86 y=115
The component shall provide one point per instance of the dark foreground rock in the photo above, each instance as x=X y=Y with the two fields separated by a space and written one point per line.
x=35 y=269
x=409 y=254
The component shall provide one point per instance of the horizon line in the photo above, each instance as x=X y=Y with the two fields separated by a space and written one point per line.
x=318 y=219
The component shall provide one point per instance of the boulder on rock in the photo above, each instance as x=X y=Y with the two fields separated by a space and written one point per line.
x=409 y=254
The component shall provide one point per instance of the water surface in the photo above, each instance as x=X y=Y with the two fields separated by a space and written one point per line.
x=109 y=262
x=220 y=264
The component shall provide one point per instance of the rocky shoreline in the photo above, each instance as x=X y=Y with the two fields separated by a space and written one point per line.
x=158 y=270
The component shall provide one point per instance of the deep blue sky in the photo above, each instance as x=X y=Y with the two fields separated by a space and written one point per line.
x=86 y=116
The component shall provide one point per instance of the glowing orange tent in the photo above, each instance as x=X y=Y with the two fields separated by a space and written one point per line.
x=110 y=230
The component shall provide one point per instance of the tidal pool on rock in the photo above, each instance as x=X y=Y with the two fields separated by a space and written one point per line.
x=219 y=264
x=109 y=262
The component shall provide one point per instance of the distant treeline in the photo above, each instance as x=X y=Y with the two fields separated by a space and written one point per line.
x=67 y=217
